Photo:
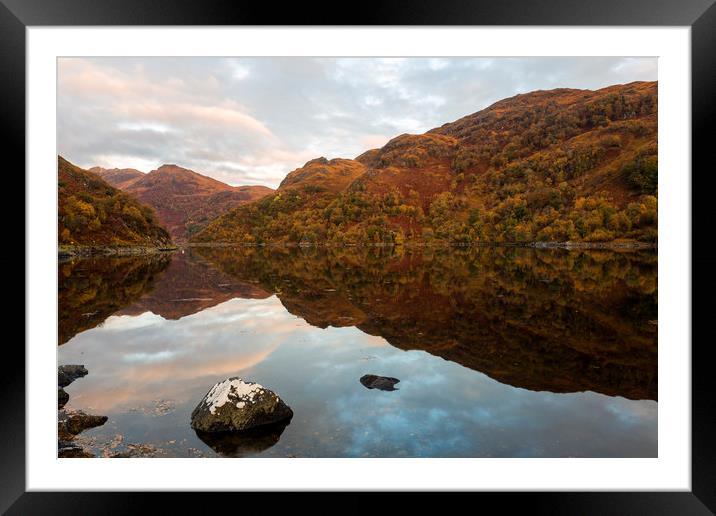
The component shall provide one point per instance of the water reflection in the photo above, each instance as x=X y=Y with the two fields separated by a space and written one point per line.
x=245 y=443
x=189 y=286
x=91 y=289
x=555 y=320
x=447 y=324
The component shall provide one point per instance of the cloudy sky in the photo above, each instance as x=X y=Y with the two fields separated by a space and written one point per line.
x=253 y=120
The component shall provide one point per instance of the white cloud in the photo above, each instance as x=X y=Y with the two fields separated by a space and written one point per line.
x=240 y=71
x=252 y=120
x=438 y=63
x=144 y=126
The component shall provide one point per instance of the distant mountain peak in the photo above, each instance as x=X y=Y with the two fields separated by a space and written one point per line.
x=118 y=177
x=185 y=200
x=171 y=167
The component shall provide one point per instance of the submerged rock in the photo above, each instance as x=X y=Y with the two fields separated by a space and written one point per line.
x=66 y=374
x=234 y=405
x=383 y=383
x=141 y=450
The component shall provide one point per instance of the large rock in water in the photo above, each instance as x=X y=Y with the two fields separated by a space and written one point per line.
x=235 y=405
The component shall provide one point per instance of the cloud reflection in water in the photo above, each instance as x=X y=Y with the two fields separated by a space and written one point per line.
x=442 y=409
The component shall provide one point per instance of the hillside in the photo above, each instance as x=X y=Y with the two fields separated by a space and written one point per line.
x=185 y=201
x=547 y=166
x=294 y=212
x=118 y=177
x=93 y=213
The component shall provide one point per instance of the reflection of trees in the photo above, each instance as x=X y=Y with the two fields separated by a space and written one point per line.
x=552 y=319
x=92 y=289
x=189 y=285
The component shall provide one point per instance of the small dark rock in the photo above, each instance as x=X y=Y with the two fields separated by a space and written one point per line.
x=72 y=450
x=71 y=423
x=62 y=397
x=234 y=405
x=66 y=374
x=383 y=383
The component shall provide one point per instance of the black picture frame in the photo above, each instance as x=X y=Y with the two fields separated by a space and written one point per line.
x=700 y=15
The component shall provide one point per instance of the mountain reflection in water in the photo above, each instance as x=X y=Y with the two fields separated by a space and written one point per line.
x=499 y=351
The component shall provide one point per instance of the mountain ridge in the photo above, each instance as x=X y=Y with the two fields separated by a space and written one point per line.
x=184 y=199
x=118 y=177
x=545 y=166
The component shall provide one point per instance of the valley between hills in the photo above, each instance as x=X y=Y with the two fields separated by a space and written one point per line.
x=557 y=167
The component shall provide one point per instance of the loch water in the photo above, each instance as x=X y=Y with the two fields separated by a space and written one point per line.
x=499 y=352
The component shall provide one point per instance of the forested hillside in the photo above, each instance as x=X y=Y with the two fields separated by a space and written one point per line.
x=547 y=166
x=93 y=213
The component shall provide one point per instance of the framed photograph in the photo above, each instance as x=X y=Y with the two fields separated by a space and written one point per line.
x=419 y=252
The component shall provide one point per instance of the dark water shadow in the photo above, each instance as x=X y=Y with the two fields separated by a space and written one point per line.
x=245 y=443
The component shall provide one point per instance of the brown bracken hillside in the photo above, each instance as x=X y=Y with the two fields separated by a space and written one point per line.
x=547 y=166
x=92 y=213
x=185 y=201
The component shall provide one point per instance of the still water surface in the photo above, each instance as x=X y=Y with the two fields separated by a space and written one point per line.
x=500 y=352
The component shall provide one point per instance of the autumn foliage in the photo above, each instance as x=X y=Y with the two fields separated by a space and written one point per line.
x=547 y=166
x=93 y=213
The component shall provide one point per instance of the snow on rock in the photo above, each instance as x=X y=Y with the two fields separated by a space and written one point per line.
x=234 y=404
x=231 y=390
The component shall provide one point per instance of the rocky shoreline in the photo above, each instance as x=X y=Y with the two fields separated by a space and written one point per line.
x=88 y=251
x=576 y=245
x=621 y=245
x=70 y=423
x=235 y=419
